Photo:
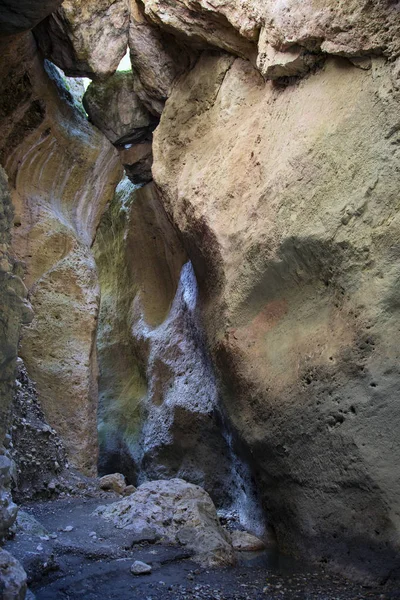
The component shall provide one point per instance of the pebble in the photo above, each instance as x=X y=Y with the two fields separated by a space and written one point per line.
x=68 y=528
x=140 y=568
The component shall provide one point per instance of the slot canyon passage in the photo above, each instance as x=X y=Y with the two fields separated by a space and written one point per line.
x=199 y=299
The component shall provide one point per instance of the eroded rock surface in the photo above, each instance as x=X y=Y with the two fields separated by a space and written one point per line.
x=117 y=111
x=158 y=407
x=86 y=38
x=37 y=451
x=62 y=172
x=179 y=512
x=28 y=14
x=295 y=191
x=12 y=577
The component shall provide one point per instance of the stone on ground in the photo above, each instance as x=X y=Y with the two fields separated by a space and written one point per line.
x=246 y=542
x=114 y=482
x=180 y=512
x=140 y=568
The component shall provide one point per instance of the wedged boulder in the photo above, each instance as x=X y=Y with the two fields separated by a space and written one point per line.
x=180 y=513
x=12 y=577
x=286 y=203
x=157 y=59
x=117 y=111
x=137 y=160
x=86 y=38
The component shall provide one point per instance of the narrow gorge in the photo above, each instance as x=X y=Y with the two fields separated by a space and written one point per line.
x=199 y=299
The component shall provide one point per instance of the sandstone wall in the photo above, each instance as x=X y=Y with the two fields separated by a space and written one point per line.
x=158 y=402
x=62 y=172
x=287 y=200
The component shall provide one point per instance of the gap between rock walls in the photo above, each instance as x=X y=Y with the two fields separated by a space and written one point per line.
x=198 y=291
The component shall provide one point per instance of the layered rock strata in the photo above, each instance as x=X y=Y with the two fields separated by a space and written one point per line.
x=62 y=172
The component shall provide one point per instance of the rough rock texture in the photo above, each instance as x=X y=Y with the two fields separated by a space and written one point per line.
x=202 y=23
x=117 y=111
x=12 y=578
x=62 y=173
x=114 y=481
x=86 y=38
x=8 y=510
x=157 y=59
x=179 y=512
x=36 y=450
x=13 y=312
x=287 y=202
x=29 y=14
x=158 y=413
x=245 y=542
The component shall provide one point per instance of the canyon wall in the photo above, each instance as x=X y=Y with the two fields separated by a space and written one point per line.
x=158 y=401
x=62 y=173
x=287 y=201
x=257 y=277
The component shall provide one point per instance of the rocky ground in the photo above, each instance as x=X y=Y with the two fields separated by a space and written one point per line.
x=70 y=553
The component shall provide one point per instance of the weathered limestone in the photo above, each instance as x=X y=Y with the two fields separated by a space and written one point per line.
x=157 y=403
x=177 y=511
x=157 y=59
x=202 y=24
x=117 y=111
x=286 y=200
x=86 y=38
x=62 y=172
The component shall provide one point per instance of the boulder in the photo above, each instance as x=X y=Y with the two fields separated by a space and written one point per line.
x=180 y=512
x=114 y=482
x=117 y=111
x=86 y=38
x=246 y=542
x=157 y=59
x=140 y=568
x=12 y=578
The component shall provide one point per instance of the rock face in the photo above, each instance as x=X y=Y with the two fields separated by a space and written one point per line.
x=86 y=38
x=157 y=59
x=62 y=173
x=299 y=212
x=37 y=451
x=29 y=14
x=12 y=577
x=117 y=111
x=179 y=512
x=158 y=414
x=14 y=311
